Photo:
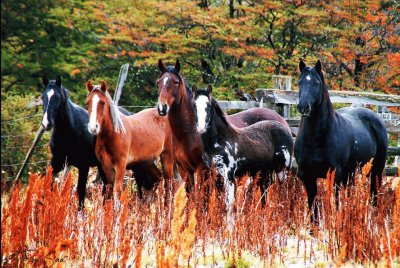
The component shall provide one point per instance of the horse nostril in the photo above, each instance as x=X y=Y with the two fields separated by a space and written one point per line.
x=303 y=109
x=162 y=109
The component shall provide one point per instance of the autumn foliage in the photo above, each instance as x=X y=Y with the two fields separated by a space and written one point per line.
x=41 y=225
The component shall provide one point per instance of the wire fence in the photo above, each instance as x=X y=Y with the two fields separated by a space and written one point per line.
x=20 y=119
x=30 y=163
x=36 y=163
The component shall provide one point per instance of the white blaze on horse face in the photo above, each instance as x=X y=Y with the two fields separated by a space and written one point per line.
x=165 y=81
x=201 y=106
x=308 y=77
x=45 y=120
x=92 y=126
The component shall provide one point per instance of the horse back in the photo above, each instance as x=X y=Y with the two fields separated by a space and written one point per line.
x=268 y=138
x=367 y=133
x=148 y=134
x=254 y=115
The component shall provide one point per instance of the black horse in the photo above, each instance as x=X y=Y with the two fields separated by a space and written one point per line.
x=264 y=147
x=339 y=140
x=72 y=144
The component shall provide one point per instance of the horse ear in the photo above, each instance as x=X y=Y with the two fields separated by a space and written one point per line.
x=161 y=66
x=45 y=81
x=318 y=66
x=209 y=89
x=103 y=86
x=177 y=66
x=89 y=86
x=302 y=65
x=58 y=80
x=194 y=88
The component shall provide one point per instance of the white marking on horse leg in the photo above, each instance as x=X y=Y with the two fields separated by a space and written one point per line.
x=201 y=106
x=93 y=116
x=286 y=154
x=281 y=175
x=229 y=200
x=45 y=120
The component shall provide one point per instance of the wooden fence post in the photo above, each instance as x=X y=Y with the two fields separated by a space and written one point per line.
x=283 y=82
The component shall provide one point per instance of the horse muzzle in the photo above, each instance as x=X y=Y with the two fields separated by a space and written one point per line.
x=47 y=125
x=94 y=130
x=304 y=109
x=162 y=109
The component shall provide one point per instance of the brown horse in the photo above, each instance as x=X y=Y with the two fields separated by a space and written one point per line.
x=123 y=141
x=175 y=100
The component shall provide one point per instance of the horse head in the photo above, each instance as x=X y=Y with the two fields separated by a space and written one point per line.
x=169 y=85
x=311 y=88
x=97 y=105
x=202 y=107
x=53 y=96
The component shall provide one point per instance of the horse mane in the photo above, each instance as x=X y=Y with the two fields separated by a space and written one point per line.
x=325 y=91
x=218 y=110
x=115 y=114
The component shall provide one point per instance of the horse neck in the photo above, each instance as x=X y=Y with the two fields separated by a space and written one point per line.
x=218 y=130
x=107 y=126
x=181 y=118
x=318 y=123
x=64 y=119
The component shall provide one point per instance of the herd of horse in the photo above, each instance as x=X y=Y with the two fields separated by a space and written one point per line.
x=189 y=130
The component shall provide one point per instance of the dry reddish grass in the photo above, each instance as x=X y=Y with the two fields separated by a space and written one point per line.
x=43 y=218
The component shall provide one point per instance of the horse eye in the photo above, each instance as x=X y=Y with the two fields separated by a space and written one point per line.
x=176 y=82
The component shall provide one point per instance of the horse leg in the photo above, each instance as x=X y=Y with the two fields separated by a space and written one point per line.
x=378 y=165
x=264 y=180
x=229 y=200
x=83 y=174
x=118 y=183
x=167 y=163
x=311 y=188
x=57 y=166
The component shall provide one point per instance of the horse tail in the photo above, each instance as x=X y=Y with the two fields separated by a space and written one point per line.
x=378 y=164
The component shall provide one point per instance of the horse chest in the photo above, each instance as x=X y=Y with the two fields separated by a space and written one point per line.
x=73 y=148
x=227 y=161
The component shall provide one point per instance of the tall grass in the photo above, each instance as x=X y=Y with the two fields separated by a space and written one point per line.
x=41 y=226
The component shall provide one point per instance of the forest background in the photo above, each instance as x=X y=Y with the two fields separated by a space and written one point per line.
x=222 y=43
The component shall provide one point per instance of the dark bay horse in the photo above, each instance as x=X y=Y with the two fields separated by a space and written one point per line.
x=123 y=141
x=70 y=143
x=338 y=140
x=264 y=147
x=175 y=101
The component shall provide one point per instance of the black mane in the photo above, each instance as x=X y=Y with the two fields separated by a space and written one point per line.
x=218 y=110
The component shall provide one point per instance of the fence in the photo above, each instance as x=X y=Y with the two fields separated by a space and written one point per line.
x=281 y=98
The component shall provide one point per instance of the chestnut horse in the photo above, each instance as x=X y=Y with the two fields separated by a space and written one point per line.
x=123 y=141
x=175 y=100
